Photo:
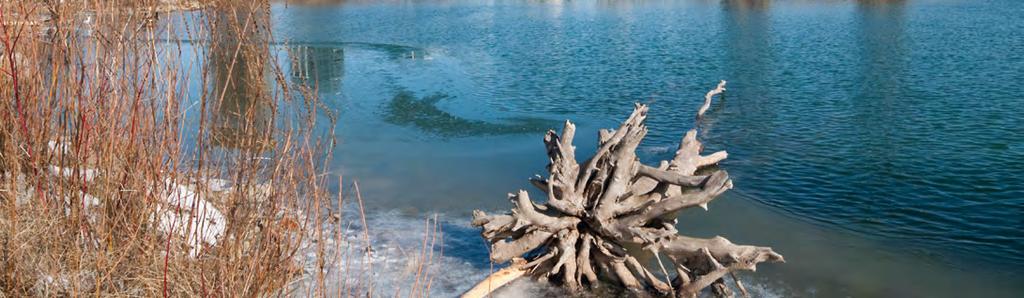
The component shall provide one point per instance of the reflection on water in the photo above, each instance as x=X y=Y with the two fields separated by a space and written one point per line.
x=745 y=5
x=747 y=42
x=883 y=62
x=244 y=107
x=317 y=66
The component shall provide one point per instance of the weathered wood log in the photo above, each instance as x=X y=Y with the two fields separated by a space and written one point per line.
x=611 y=218
x=707 y=98
x=497 y=280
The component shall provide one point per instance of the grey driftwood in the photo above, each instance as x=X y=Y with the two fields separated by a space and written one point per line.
x=612 y=219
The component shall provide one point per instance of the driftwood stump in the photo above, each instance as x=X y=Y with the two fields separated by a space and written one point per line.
x=612 y=219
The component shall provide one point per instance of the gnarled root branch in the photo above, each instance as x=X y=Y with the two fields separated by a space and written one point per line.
x=613 y=218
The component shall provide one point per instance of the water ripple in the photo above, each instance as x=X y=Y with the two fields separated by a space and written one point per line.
x=860 y=116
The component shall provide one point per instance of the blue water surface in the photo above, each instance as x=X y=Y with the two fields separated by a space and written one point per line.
x=900 y=123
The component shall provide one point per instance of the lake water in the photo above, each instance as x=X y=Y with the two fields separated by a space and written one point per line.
x=878 y=145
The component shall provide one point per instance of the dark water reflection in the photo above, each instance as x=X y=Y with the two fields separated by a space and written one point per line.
x=320 y=67
x=884 y=137
x=239 y=90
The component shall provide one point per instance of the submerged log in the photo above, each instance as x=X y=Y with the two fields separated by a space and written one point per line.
x=612 y=219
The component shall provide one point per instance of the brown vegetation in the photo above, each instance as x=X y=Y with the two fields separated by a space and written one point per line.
x=117 y=180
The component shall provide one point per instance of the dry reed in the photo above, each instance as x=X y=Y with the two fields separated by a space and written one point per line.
x=104 y=118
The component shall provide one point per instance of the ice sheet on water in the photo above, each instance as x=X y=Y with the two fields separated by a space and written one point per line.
x=397 y=262
x=458 y=260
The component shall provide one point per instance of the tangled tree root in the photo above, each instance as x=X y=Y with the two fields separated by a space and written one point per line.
x=612 y=219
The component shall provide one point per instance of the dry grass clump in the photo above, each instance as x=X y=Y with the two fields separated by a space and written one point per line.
x=124 y=172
